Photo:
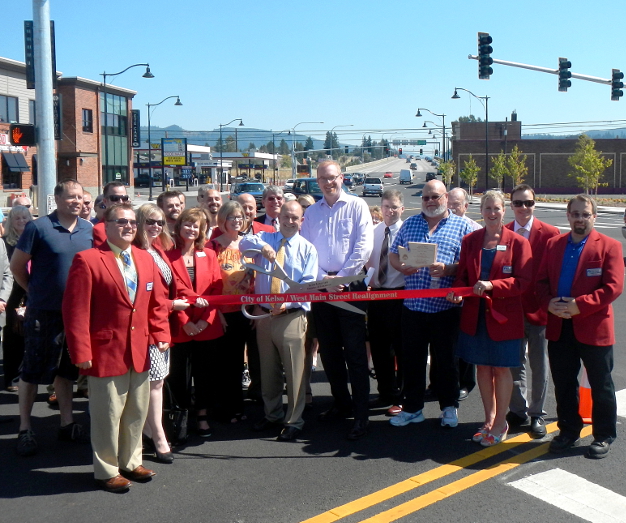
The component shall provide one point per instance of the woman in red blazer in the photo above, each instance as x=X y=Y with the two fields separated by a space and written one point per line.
x=197 y=331
x=497 y=263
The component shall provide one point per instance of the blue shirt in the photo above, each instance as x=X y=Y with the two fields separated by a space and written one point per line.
x=300 y=262
x=52 y=248
x=448 y=236
x=569 y=265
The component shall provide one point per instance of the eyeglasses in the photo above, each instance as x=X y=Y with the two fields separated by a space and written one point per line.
x=433 y=198
x=330 y=179
x=584 y=215
x=118 y=198
x=150 y=221
x=525 y=203
x=235 y=218
x=123 y=222
x=275 y=198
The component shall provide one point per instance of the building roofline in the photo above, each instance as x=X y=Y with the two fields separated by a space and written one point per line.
x=95 y=85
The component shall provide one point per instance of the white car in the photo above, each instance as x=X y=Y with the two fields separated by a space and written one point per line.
x=373 y=186
x=289 y=184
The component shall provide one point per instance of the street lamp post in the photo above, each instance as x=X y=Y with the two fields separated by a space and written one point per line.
x=331 y=137
x=150 y=146
x=274 y=135
x=222 y=147
x=104 y=75
x=456 y=96
x=293 y=148
x=443 y=118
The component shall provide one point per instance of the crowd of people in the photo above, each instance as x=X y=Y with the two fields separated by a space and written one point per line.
x=126 y=298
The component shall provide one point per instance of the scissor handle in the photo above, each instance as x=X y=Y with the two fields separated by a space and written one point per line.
x=276 y=271
x=252 y=317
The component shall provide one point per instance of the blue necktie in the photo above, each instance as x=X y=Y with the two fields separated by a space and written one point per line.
x=129 y=277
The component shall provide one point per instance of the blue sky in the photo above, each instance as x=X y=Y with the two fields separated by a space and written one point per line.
x=367 y=63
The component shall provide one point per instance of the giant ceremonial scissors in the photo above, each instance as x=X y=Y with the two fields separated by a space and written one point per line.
x=276 y=271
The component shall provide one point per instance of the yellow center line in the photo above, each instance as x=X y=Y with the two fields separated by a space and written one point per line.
x=462 y=484
x=421 y=479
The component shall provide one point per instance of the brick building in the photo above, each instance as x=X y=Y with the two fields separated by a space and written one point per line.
x=547 y=159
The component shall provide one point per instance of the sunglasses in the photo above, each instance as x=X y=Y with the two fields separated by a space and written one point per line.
x=525 y=203
x=118 y=198
x=275 y=198
x=584 y=215
x=433 y=198
x=123 y=222
x=150 y=221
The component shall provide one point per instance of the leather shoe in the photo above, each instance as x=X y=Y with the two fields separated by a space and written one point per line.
x=515 y=420
x=562 y=442
x=599 y=448
x=141 y=473
x=463 y=394
x=334 y=413
x=288 y=434
x=359 y=429
x=266 y=424
x=537 y=427
x=114 y=484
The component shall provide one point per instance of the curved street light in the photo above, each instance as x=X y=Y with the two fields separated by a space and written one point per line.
x=104 y=75
x=331 y=137
x=222 y=147
x=150 y=146
x=443 y=118
x=456 y=96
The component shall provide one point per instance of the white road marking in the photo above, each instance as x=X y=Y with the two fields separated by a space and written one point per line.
x=575 y=495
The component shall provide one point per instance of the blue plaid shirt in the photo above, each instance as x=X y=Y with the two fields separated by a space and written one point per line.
x=448 y=236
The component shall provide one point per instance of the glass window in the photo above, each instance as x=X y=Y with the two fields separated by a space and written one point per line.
x=88 y=120
x=32 y=115
x=8 y=109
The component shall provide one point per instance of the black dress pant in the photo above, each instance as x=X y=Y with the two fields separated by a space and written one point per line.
x=341 y=336
x=440 y=331
x=565 y=356
x=384 y=327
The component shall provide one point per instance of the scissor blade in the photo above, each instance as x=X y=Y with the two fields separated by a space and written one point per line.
x=346 y=306
x=322 y=284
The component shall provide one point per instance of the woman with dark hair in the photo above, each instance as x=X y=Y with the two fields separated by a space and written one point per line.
x=197 y=331
x=231 y=219
x=13 y=337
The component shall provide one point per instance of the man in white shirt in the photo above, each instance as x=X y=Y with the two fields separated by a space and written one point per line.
x=458 y=203
x=383 y=316
x=340 y=227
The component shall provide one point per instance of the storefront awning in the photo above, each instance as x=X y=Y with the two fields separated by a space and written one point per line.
x=16 y=162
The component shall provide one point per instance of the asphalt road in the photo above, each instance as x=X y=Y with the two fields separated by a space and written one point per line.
x=240 y=476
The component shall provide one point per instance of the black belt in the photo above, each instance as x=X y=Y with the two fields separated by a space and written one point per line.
x=332 y=273
x=389 y=289
x=286 y=311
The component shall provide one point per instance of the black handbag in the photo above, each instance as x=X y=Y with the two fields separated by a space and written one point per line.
x=175 y=419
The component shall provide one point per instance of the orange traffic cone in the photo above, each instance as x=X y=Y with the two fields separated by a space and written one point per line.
x=584 y=394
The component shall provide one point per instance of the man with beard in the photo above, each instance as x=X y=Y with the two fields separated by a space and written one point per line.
x=430 y=321
x=210 y=200
x=273 y=199
x=576 y=285
x=171 y=202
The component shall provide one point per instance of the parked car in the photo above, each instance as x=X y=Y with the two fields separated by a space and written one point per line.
x=388 y=174
x=373 y=186
x=254 y=188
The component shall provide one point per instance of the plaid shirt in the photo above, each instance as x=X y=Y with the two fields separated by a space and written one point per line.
x=448 y=236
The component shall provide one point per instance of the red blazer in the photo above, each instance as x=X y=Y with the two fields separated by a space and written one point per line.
x=540 y=233
x=99 y=234
x=511 y=274
x=208 y=281
x=101 y=323
x=168 y=293
x=256 y=227
x=594 y=292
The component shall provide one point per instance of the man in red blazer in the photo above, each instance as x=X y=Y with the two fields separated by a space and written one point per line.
x=110 y=312
x=577 y=283
x=537 y=233
x=112 y=193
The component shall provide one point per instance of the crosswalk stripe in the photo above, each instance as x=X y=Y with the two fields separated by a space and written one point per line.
x=574 y=495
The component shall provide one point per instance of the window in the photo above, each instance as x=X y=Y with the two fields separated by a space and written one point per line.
x=87 y=120
x=32 y=115
x=8 y=109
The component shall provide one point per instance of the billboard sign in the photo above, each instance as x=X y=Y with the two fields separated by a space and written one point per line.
x=174 y=151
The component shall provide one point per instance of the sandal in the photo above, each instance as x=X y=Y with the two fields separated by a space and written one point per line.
x=480 y=435
x=491 y=439
x=203 y=433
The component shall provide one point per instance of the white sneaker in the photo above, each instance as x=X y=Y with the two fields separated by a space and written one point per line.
x=449 y=417
x=404 y=418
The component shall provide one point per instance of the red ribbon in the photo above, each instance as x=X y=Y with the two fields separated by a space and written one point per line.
x=325 y=297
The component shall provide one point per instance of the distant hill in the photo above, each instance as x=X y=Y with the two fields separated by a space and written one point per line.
x=596 y=135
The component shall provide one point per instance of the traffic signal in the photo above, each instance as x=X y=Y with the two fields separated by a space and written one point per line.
x=421 y=151
x=22 y=134
x=346 y=149
x=616 y=85
x=484 y=56
x=400 y=150
x=436 y=152
x=387 y=150
x=564 y=74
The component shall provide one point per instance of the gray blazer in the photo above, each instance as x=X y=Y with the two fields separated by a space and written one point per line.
x=6 y=285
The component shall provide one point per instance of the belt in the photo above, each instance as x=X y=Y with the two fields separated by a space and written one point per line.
x=389 y=288
x=286 y=311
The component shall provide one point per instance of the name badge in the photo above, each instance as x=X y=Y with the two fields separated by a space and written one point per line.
x=500 y=247
x=149 y=286
x=594 y=272
x=507 y=269
x=201 y=254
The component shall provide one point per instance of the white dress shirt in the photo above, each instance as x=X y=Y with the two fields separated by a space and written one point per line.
x=527 y=228
x=394 y=277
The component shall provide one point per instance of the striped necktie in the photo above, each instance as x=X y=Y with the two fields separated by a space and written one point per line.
x=383 y=264
x=129 y=276
x=280 y=260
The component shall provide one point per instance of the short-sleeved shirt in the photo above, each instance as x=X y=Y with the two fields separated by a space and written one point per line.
x=52 y=248
x=448 y=236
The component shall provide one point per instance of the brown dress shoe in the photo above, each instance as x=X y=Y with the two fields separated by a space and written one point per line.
x=114 y=484
x=141 y=473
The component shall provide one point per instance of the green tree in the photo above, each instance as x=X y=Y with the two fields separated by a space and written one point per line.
x=469 y=174
x=308 y=145
x=499 y=169
x=516 y=165
x=447 y=170
x=471 y=118
x=588 y=164
x=283 y=148
x=251 y=146
x=229 y=144
x=285 y=160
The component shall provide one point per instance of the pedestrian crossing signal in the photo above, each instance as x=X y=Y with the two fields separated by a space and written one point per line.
x=22 y=134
